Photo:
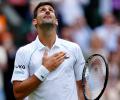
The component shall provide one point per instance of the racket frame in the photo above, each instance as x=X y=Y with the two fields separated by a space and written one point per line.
x=83 y=76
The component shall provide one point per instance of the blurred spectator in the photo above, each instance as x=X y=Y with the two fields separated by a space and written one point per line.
x=92 y=13
x=118 y=50
x=67 y=33
x=70 y=11
x=82 y=33
x=97 y=46
x=113 y=67
x=84 y=2
x=113 y=94
x=7 y=43
x=19 y=19
x=113 y=89
x=118 y=41
x=3 y=56
x=105 y=6
x=109 y=6
x=31 y=35
x=116 y=4
x=17 y=2
x=116 y=8
x=108 y=31
x=3 y=65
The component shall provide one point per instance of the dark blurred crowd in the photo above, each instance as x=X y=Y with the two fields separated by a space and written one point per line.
x=93 y=24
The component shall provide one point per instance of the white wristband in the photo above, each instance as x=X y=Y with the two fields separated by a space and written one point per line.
x=42 y=73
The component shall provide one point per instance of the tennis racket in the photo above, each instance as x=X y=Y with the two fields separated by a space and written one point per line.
x=94 y=77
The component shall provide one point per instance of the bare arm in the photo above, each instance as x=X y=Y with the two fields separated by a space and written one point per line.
x=24 y=88
x=80 y=90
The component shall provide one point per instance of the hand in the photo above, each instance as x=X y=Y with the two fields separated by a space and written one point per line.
x=52 y=62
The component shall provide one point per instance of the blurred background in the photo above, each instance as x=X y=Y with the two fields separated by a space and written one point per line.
x=93 y=24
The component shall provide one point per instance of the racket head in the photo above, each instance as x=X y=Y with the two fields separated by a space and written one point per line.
x=95 y=59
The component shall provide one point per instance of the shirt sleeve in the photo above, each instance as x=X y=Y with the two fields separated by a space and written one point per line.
x=20 y=72
x=79 y=65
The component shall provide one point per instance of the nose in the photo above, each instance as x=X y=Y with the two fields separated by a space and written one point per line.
x=47 y=12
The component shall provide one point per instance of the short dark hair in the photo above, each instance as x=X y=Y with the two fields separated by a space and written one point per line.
x=42 y=4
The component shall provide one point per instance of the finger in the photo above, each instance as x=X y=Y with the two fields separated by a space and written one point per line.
x=61 y=61
x=57 y=54
x=60 y=56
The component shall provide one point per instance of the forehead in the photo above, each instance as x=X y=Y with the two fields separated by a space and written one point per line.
x=46 y=6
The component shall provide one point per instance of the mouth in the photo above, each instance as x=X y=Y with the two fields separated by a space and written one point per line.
x=47 y=17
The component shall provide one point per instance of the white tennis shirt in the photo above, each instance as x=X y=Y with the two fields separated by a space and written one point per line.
x=59 y=84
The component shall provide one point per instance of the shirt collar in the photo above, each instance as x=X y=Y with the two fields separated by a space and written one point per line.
x=41 y=46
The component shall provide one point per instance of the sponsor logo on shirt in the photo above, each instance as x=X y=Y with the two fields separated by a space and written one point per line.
x=21 y=66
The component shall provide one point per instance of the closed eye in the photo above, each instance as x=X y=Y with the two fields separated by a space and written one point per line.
x=43 y=9
x=51 y=10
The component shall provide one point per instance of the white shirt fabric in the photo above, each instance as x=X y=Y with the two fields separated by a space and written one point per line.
x=59 y=84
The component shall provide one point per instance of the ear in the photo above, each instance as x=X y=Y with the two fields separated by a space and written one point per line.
x=34 y=22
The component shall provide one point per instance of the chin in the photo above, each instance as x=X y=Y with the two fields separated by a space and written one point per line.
x=47 y=23
x=50 y=21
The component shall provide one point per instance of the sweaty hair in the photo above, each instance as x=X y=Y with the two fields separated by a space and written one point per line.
x=42 y=4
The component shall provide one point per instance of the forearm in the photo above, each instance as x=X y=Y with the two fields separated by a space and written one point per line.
x=24 y=88
x=81 y=96
x=80 y=90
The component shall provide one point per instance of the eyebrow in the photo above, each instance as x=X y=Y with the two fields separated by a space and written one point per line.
x=44 y=6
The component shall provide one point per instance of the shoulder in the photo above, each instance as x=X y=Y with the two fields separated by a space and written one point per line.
x=2 y=49
x=26 y=49
x=72 y=47
x=69 y=44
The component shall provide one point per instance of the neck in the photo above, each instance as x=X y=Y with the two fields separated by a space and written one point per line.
x=47 y=35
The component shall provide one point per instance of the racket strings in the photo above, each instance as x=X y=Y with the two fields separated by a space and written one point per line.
x=95 y=77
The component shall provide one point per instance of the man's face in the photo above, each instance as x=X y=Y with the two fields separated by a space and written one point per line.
x=46 y=15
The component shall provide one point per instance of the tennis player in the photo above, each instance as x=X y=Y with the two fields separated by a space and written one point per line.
x=49 y=68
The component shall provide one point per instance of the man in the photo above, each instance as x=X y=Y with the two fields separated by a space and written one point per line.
x=3 y=65
x=49 y=67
